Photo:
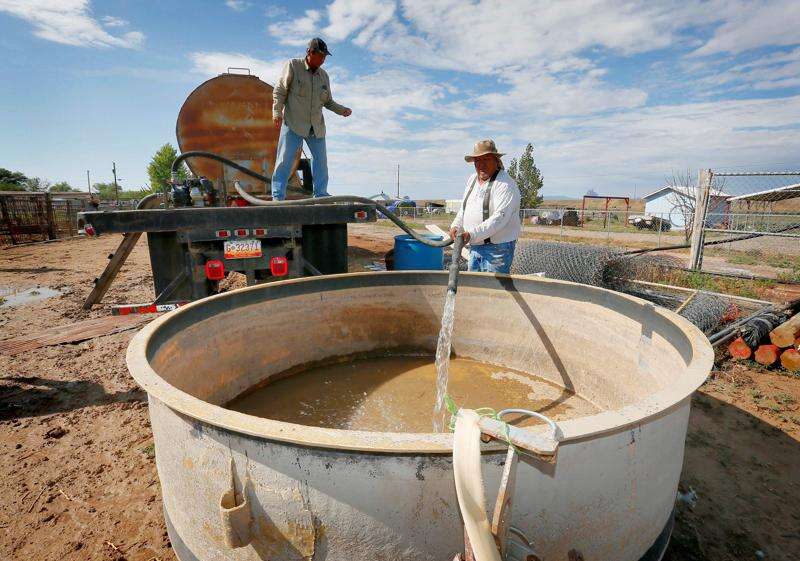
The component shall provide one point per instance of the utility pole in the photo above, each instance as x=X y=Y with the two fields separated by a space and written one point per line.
x=88 y=182
x=116 y=187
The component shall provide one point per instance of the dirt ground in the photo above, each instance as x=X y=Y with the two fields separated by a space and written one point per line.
x=76 y=458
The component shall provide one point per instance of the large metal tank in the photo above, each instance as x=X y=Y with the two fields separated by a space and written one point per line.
x=352 y=495
x=231 y=115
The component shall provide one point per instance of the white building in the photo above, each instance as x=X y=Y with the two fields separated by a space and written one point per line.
x=452 y=206
x=676 y=204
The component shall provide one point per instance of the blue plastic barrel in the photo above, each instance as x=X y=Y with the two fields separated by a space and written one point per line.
x=411 y=255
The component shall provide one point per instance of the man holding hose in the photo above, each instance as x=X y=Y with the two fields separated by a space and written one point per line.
x=488 y=220
x=303 y=89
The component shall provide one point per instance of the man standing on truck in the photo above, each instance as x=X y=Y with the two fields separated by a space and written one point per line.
x=488 y=220
x=303 y=89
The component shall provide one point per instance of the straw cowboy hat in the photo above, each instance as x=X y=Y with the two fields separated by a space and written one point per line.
x=482 y=148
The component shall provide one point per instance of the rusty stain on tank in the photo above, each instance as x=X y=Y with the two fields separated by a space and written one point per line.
x=231 y=115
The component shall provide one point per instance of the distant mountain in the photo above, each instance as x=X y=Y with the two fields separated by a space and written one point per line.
x=560 y=198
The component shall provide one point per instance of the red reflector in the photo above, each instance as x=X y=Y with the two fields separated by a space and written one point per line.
x=240 y=202
x=259 y=232
x=241 y=232
x=279 y=266
x=223 y=233
x=89 y=229
x=215 y=270
x=361 y=214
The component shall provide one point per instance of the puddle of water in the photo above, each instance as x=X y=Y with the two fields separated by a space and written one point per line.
x=11 y=296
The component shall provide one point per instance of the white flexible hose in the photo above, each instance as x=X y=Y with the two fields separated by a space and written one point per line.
x=469 y=485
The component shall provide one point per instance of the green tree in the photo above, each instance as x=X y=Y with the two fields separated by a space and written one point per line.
x=12 y=180
x=36 y=184
x=528 y=177
x=160 y=168
x=62 y=187
x=105 y=191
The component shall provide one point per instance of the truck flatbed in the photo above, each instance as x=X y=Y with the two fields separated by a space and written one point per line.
x=209 y=218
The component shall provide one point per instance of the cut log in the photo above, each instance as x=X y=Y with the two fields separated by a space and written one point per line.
x=790 y=360
x=739 y=349
x=785 y=334
x=767 y=354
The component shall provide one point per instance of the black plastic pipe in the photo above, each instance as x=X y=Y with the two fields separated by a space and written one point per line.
x=322 y=200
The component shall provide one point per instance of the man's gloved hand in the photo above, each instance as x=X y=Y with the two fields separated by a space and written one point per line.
x=278 y=122
x=347 y=112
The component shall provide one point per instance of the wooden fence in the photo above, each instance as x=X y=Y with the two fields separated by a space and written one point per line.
x=29 y=217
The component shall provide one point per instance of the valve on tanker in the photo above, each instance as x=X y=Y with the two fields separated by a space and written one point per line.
x=194 y=192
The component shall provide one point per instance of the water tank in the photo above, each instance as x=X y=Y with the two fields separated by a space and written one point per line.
x=231 y=115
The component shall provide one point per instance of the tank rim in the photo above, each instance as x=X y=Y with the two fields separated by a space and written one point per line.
x=611 y=421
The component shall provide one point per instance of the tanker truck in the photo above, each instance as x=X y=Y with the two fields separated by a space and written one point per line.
x=201 y=229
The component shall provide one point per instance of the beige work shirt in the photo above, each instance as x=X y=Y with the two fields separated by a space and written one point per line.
x=300 y=95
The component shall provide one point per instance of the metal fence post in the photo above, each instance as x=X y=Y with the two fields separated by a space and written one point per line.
x=660 y=227
x=608 y=225
x=699 y=222
x=561 y=229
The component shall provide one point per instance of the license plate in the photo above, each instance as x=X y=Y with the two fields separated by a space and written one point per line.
x=242 y=249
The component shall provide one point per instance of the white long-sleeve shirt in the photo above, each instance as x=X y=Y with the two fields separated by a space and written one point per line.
x=503 y=224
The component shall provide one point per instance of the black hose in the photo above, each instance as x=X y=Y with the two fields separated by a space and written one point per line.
x=211 y=156
x=346 y=199
x=732 y=330
x=303 y=202
x=452 y=279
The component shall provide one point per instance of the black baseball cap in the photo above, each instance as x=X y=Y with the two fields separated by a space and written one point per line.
x=317 y=44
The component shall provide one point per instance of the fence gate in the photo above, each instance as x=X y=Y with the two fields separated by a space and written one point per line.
x=27 y=217
x=749 y=218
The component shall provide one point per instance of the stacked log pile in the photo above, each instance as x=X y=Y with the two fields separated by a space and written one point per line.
x=780 y=349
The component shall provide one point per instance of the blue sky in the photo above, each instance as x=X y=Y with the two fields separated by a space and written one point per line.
x=615 y=96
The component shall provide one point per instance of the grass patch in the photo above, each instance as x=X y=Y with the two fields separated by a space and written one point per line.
x=150 y=450
x=757 y=288
x=789 y=276
x=757 y=257
x=784 y=398
x=756 y=394
x=774 y=407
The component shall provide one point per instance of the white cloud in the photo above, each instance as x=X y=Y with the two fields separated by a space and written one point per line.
x=111 y=21
x=365 y=16
x=69 y=22
x=530 y=71
x=749 y=25
x=237 y=5
x=212 y=63
x=296 y=32
x=273 y=11
x=532 y=93
x=381 y=101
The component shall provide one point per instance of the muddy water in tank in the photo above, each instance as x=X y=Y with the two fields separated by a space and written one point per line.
x=396 y=394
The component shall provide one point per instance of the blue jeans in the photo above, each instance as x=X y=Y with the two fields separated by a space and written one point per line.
x=289 y=143
x=492 y=257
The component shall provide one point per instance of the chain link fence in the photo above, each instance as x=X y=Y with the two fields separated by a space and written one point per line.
x=619 y=228
x=763 y=203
